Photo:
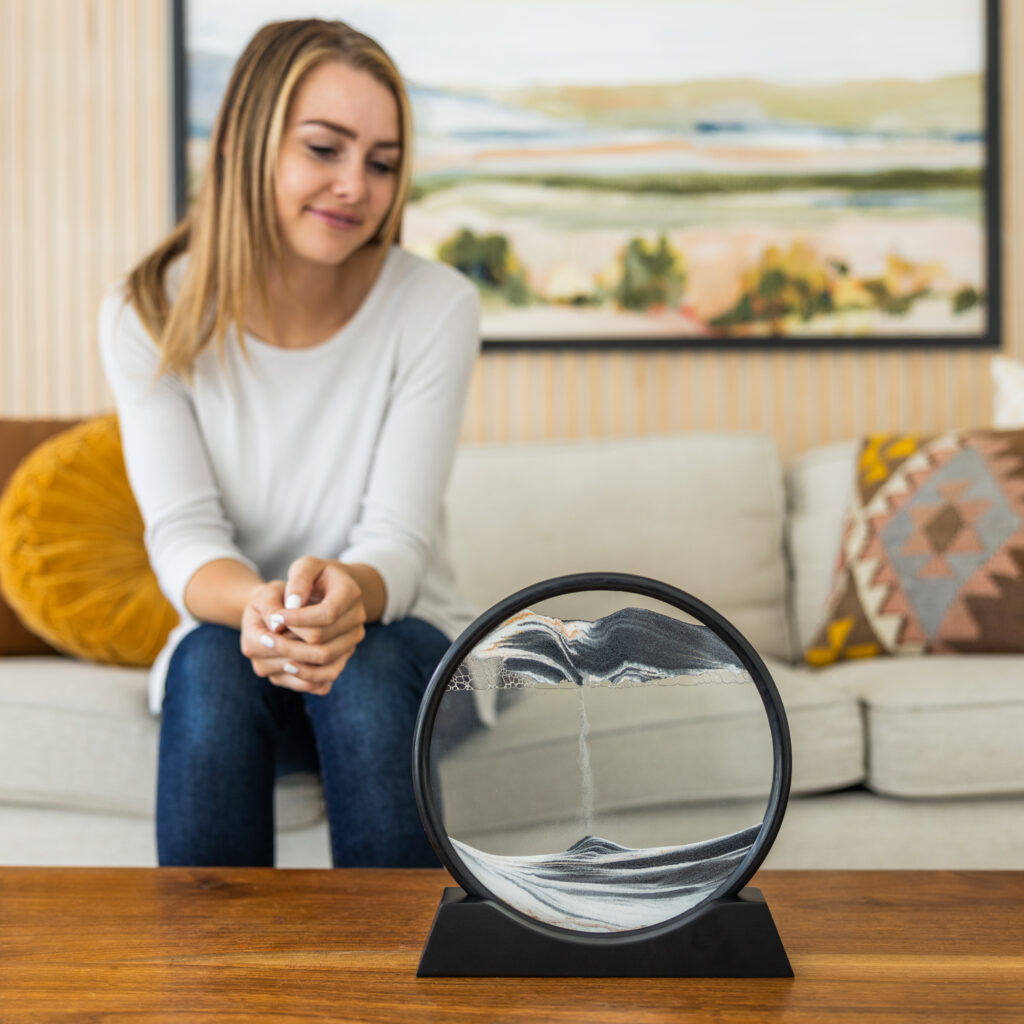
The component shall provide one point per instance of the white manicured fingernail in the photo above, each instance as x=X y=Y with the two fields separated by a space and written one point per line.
x=267 y=640
x=290 y=669
x=293 y=601
x=277 y=619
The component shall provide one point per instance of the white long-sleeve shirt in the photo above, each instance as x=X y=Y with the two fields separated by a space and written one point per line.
x=342 y=450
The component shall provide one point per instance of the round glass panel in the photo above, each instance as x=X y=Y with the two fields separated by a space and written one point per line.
x=601 y=760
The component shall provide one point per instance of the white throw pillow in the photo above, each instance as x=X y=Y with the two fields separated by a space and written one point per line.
x=1008 y=398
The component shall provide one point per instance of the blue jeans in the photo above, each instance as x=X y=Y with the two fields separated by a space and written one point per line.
x=227 y=734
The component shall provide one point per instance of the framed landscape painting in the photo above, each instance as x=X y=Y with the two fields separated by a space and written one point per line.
x=712 y=173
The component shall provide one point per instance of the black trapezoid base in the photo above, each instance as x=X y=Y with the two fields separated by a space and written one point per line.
x=731 y=937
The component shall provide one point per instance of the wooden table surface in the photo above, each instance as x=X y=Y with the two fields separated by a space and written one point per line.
x=127 y=945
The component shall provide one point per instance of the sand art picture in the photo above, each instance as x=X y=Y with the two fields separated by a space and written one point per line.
x=703 y=172
x=565 y=747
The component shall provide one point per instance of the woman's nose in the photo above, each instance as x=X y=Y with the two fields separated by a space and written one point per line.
x=350 y=181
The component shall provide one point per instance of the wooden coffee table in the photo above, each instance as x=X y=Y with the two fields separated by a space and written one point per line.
x=129 y=945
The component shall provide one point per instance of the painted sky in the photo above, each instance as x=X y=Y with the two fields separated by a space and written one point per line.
x=549 y=42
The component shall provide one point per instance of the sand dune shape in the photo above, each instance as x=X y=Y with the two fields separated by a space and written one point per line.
x=598 y=886
x=632 y=646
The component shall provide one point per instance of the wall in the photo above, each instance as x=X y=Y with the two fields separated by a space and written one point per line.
x=84 y=100
x=85 y=184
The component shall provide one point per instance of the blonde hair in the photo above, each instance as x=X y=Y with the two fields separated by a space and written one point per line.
x=230 y=234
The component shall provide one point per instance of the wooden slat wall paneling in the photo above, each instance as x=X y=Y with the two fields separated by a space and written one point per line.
x=85 y=118
x=85 y=185
x=8 y=167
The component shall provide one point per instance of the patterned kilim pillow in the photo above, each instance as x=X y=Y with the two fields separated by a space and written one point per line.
x=932 y=553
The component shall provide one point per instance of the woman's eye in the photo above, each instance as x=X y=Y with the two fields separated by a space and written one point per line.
x=382 y=168
x=324 y=152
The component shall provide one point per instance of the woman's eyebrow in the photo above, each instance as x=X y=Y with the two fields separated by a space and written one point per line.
x=348 y=132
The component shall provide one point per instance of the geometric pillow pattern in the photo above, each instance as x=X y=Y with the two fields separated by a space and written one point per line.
x=932 y=551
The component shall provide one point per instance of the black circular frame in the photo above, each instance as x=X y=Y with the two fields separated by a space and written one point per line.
x=612 y=581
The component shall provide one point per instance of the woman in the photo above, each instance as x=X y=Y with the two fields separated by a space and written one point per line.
x=289 y=385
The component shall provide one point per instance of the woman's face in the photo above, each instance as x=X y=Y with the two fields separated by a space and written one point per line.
x=337 y=169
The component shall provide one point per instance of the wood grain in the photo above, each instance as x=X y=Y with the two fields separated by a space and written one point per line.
x=251 y=945
x=91 y=78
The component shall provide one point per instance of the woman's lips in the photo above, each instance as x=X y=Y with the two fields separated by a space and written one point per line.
x=336 y=220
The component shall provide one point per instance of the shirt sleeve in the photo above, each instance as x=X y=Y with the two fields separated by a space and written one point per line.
x=166 y=459
x=415 y=450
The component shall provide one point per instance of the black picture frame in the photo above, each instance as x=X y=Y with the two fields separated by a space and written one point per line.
x=989 y=338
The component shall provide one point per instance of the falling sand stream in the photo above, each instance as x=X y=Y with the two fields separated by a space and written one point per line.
x=596 y=884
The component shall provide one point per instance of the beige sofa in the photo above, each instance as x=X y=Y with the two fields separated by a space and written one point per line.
x=897 y=763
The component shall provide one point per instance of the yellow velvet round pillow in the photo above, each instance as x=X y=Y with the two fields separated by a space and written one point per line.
x=72 y=560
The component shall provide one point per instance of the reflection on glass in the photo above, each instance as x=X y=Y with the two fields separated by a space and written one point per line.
x=601 y=775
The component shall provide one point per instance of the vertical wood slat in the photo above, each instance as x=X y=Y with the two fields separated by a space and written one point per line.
x=731 y=413
x=7 y=145
x=643 y=392
x=663 y=388
x=91 y=171
x=1013 y=176
x=572 y=401
x=110 y=179
x=65 y=277
x=38 y=192
x=594 y=393
x=15 y=270
x=843 y=397
x=820 y=423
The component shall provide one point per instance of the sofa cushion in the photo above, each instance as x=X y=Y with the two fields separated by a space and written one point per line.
x=703 y=513
x=1008 y=392
x=18 y=437
x=932 y=552
x=79 y=736
x=651 y=753
x=941 y=726
x=820 y=483
x=72 y=559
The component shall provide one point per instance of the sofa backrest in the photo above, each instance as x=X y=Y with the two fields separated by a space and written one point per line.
x=820 y=484
x=704 y=513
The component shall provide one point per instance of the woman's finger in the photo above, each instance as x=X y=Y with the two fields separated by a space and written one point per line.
x=290 y=682
x=332 y=594
x=283 y=672
x=302 y=577
x=306 y=678
x=354 y=618
x=268 y=602
x=306 y=653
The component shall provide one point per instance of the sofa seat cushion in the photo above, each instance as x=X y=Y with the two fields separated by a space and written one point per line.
x=654 y=752
x=703 y=513
x=78 y=735
x=942 y=725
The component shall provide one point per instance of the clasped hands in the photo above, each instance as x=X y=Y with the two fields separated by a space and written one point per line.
x=299 y=633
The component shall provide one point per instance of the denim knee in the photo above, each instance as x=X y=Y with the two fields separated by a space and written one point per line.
x=210 y=685
x=364 y=731
x=389 y=669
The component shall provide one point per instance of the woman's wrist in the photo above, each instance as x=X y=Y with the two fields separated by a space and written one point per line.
x=219 y=591
x=371 y=585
